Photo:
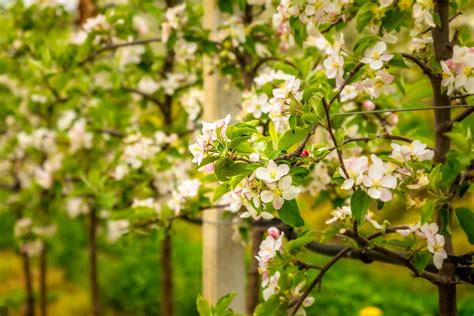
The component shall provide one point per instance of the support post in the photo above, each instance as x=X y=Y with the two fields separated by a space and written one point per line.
x=223 y=258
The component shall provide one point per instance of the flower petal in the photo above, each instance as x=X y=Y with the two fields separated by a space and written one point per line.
x=266 y=196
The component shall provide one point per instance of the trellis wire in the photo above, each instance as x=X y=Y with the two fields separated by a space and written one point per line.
x=403 y=110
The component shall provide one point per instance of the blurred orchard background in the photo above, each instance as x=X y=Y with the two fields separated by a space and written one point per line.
x=129 y=277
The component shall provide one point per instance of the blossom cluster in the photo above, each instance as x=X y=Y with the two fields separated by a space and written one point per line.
x=267 y=186
x=380 y=178
x=434 y=240
x=458 y=71
x=269 y=248
x=138 y=149
x=376 y=80
x=175 y=18
x=31 y=236
x=210 y=133
x=427 y=232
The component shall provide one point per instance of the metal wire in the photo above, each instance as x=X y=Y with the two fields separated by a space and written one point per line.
x=403 y=110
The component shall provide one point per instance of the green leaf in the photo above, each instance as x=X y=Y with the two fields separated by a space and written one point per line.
x=203 y=306
x=363 y=43
x=273 y=133
x=225 y=169
x=330 y=232
x=290 y=214
x=398 y=61
x=359 y=205
x=364 y=16
x=269 y=307
x=223 y=303
x=222 y=189
x=421 y=260
x=466 y=220
x=395 y=19
x=427 y=211
x=226 y=6
x=291 y=137
x=450 y=170
x=298 y=243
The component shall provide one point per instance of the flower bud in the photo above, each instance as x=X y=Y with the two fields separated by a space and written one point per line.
x=273 y=232
x=392 y=119
x=368 y=105
x=305 y=153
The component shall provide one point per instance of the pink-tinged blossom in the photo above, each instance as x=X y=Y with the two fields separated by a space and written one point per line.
x=415 y=151
x=271 y=286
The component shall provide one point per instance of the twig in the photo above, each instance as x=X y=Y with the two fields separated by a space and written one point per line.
x=426 y=70
x=350 y=76
x=334 y=140
x=331 y=26
x=450 y=20
x=463 y=96
x=94 y=54
x=460 y=117
x=262 y=61
x=148 y=97
x=110 y=132
x=300 y=148
x=319 y=278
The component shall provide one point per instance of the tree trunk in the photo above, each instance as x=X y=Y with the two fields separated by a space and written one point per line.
x=253 y=285
x=166 y=286
x=443 y=51
x=85 y=10
x=30 y=300
x=43 y=280
x=94 y=285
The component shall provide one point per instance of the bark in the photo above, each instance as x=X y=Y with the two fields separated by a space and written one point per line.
x=253 y=276
x=166 y=286
x=30 y=301
x=85 y=10
x=94 y=284
x=443 y=50
x=43 y=280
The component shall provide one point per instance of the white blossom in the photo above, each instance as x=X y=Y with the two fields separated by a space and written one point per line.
x=279 y=192
x=375 y=56
x=378 y=182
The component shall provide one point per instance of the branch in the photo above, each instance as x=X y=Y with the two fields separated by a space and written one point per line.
x=450 y=20
x=262 y=61
x=331 y=133
x=463 y=96
x=460 y=117
x=426 y=70
x=146 y=96
x=110 y=132
x=319 y=278
x=94 y=54
x=350 y=76
x=465 y=274
x=338 y=21
x=300 y=148
x=432 y=277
